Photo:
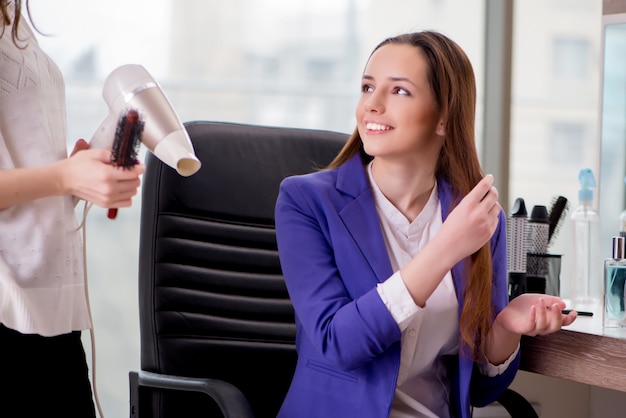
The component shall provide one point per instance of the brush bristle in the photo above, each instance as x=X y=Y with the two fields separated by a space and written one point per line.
x=127 y=139
x=558 y=209
x=126 y=144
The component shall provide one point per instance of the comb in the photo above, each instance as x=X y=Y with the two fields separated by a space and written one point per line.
x=558 y=209
x=126 y=144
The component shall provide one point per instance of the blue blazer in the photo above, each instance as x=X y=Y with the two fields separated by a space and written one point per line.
x=333 y=255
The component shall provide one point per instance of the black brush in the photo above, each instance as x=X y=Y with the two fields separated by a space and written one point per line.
x=556 y=217
x=126 y=144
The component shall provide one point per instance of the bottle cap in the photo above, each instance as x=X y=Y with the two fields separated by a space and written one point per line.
x=619 y=250
x=587 y=183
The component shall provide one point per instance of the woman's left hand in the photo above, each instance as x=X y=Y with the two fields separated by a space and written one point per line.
x=534 y=314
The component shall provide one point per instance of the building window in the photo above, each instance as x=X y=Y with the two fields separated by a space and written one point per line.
x=566 y=142
x=570 y=60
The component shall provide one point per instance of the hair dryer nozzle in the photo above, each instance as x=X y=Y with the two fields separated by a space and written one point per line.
x=173 y=148
x=131 y=86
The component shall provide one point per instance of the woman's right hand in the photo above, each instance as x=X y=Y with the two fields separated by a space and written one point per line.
x=89 y=175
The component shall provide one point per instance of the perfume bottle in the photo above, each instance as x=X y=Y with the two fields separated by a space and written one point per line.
x=614 y=312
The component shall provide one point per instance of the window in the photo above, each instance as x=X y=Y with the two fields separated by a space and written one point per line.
x=566 y=143
x=554 y=110
x=571 y=59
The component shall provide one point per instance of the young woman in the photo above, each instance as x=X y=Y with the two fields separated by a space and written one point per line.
x=43 y=305
x=395 y=256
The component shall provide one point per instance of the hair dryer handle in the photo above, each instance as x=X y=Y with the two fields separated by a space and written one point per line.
x=103 y=136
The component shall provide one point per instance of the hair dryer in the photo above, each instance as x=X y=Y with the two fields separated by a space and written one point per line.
x=131 y=86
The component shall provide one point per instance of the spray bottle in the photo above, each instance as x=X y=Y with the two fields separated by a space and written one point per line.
x=587 y=261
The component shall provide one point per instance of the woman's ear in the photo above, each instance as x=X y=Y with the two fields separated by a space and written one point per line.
x=441 y=131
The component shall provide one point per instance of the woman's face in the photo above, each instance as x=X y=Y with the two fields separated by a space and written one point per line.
x=396 y=114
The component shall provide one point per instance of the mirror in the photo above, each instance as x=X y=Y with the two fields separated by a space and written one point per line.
x=611 y=188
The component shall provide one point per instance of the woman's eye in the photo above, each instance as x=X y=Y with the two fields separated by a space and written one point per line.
x=366 y=88
x=401 y=91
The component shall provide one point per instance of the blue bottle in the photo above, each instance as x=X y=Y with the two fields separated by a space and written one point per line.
x=614 y=312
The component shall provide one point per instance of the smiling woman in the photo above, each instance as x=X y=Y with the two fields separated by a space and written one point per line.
x=401 y=291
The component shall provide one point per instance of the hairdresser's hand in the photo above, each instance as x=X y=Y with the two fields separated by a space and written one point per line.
x=90 y=176
x=534 y=314
x=472 y=223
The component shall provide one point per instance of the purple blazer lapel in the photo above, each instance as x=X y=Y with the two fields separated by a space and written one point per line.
x=360 y=217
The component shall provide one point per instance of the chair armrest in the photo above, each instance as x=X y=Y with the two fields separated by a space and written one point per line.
x=230 y=400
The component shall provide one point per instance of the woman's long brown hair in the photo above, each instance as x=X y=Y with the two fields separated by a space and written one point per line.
x=451 y=79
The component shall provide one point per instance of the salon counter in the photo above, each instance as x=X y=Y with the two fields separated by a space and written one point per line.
x=584 y=352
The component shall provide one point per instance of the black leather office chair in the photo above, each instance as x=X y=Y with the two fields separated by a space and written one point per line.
x=212 y=300
x=215 y=316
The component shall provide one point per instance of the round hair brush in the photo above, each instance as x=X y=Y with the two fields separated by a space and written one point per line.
x=126 y=144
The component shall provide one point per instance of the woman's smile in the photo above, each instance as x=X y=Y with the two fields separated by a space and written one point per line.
x=376 y=128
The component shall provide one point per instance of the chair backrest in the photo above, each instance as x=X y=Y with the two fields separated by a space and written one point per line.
x=212 y=298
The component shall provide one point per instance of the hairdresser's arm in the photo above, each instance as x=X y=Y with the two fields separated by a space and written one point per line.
x=468 y=227
x=87 y=175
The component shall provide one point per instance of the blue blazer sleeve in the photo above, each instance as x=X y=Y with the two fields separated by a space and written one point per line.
x=329 y=275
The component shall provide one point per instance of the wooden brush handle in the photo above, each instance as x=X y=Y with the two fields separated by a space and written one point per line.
x=112 y=213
